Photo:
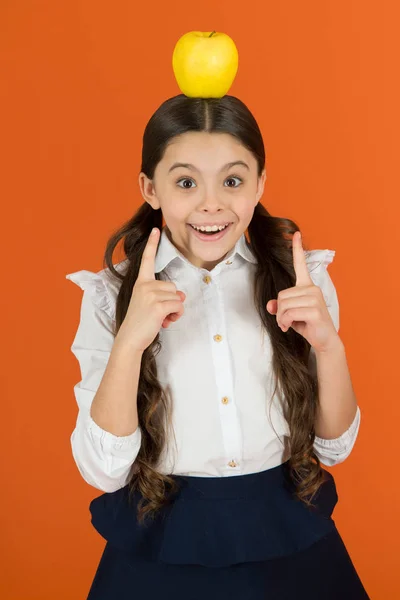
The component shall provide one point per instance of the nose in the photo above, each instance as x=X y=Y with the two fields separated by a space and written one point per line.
x=211 y=211
x=211 y=205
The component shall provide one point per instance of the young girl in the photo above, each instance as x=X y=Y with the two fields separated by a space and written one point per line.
x=200 y=356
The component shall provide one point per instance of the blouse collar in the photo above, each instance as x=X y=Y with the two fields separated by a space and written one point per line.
x=167 y=252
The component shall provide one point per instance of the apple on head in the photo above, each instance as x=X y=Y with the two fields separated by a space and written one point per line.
x=205 y=64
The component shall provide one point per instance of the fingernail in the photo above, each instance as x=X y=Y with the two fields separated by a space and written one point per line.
x=154 y=231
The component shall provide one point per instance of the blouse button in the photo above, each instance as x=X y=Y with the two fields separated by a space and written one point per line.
x=206 y=279
x=228 y=262
x=217 y=338
x=225 y=400
x=232 y=463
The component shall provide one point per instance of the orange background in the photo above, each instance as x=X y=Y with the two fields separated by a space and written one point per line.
x=79 y=80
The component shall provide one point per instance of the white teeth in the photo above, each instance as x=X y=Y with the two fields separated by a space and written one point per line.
x=209 y=228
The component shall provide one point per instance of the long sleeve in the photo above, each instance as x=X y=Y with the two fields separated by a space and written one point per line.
x=103 y=459
x=334 y=451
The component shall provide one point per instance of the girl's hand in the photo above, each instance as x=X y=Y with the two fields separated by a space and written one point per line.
x=303 y=307
x=153 y=303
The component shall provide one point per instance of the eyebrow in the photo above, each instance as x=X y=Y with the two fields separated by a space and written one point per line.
x=225 y=167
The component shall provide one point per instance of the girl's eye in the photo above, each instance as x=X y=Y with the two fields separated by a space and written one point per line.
x=232 y=177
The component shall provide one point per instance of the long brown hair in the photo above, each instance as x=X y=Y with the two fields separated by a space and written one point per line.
x=270 y=239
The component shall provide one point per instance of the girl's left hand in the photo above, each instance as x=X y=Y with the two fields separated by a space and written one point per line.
x=303 y=307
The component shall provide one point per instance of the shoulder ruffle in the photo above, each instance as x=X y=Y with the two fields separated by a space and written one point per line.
x=317 y=263
x=318 y=260
x=102 y=286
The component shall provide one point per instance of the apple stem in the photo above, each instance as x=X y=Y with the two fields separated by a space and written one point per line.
x=212 y=33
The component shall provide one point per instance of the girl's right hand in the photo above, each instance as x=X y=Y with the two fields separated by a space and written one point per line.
x=153 y=303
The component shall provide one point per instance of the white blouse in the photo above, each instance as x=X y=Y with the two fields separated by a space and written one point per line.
x=215 y=363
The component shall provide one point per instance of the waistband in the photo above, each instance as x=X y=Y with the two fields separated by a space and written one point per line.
x=219 y=521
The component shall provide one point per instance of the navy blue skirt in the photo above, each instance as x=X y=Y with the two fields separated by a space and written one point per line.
x=241 y=537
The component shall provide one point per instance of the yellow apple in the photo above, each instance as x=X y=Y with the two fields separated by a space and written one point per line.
x=205 y=64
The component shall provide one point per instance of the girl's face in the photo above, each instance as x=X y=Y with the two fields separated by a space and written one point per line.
x=206 y=191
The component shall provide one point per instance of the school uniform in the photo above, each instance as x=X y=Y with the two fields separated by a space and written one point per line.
x=234 y=529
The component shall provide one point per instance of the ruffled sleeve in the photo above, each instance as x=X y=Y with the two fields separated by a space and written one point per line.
x=103 y=459
x=333 y=451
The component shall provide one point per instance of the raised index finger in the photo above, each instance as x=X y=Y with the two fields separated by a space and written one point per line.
x=146 y=271
x=299 y=261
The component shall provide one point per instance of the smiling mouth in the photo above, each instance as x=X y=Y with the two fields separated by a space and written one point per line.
x=210 y=229
x=215 y=233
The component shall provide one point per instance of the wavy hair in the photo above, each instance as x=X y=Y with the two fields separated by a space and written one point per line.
x=270 y=239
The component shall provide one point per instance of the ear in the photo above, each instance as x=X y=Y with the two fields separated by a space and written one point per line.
x=261 y=184
x=148 y=191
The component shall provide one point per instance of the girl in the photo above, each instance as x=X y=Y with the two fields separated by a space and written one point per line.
x=199 y=402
